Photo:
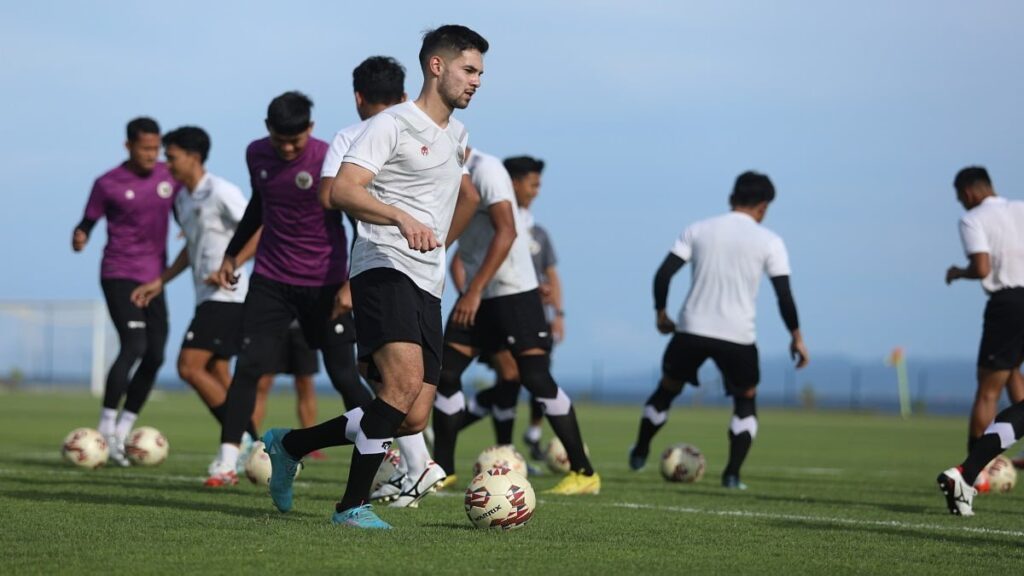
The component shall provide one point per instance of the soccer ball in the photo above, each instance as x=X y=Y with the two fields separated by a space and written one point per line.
x=682 y=463
x=1001 y=474
x=85 y=447
x=257 y=466
x=146 y=446
x=500 y=455
x=500 y=498
x=387 y=469
x=557 y=458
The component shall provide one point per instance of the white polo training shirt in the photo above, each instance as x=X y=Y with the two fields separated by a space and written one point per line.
x=996 y=226
x=728 y=255
x=516 y=274
x=342 y=141
x=418 y=169
x=208 y=217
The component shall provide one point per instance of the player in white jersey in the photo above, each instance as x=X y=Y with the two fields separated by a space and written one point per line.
x=208 y=209
x=729 y=254
x=992 y=232
x=400 y=179
x=501 y=308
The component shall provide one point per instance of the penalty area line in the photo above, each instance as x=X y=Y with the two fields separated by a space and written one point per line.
x=821 y=519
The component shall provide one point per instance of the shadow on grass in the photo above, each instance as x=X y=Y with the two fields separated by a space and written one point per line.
x=930 y=537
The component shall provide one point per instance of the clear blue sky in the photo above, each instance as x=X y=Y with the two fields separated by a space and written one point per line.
x=645 y=112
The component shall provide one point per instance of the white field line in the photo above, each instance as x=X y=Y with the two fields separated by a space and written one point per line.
x=122 y=474
x=821 y=519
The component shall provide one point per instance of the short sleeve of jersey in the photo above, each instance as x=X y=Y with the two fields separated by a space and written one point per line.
x=376 y=145
x=973 y=237
x=335 y=154
x=777 y=262
x=494 y=184
x=232 y=202
x=684 y=244
x=95 y=208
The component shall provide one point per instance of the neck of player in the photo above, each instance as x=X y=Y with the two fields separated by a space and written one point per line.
x=192 y=179
x=433 y=105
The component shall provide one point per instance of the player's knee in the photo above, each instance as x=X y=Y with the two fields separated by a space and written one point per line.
x=413 y=424
x=134 y=345
x=744 y=406
x=671 y=385
x=535 y=375
x=453 y=364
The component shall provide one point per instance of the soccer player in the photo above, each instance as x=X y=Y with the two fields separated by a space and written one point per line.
x=208 y=209
x=300 y=361
x=301 y=264
x=136 y=198
x=729 y=254
x=992 y=232
x=400 y=179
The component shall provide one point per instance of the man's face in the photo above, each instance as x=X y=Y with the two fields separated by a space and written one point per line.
x=460 y=78
x=526 y=188
x=288 y=148
x=144 y=151
x=181 y=162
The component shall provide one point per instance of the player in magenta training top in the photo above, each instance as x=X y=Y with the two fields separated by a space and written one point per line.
x=301 y=266
x=136 y=199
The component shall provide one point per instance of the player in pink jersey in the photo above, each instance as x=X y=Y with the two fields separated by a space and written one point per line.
x=136 y=198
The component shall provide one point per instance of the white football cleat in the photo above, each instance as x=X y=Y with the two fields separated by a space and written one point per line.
x=390 y=489
x=116 y=451
x=416 y=488
x=959 y=494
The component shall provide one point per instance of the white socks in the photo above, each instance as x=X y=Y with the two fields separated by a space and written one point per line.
x=108 y=421
x=414 y=453
x=228 y=456
x=125 y=424
x=533 y=433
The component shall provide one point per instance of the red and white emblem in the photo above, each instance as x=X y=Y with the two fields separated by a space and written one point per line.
x=424 y=150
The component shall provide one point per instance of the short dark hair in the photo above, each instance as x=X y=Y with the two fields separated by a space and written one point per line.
x=751 y=189
x=190 y=139
x=142 y=125
x=380 y=80
x=289 y=113
x=969 y=177
x=451 y=38
x=520 y=166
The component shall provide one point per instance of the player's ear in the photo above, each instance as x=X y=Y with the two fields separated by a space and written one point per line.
x=359 y=99
x=309 y=130
x=404 y=97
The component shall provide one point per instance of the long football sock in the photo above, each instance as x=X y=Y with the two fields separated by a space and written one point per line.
x=221 y=412
x=108 y=421
x=504 y=410
x=414 y=453
x=535 y=372
x=302 y=441
x=228 y=456
x=655 y=416
x=1000 y=435
x=449 y=407
x=742 y=431
x=478 y=407
x=372 y=432
x=125 y=422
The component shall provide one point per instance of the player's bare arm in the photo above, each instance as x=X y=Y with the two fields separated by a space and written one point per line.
x=349 y=193
x=142 y=295
x=458 y=271
x=979 y=266
x=554 y=299
x=465 y=207
x=504 y=222
x=662 y=279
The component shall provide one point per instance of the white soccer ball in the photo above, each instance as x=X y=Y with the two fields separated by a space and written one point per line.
x=500 y=498
x=683 y=463
x=387 y=469
x=557 y=458
x=257 y=465
x=85 y=447
x=146 y=446
x=501 y=455
x=1002 y=476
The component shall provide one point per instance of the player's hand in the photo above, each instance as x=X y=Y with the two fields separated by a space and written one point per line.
x=342 y=301
x=464 y=313
x=418 y=234
x=79 y=239
x=665 y=324
x=213 y=279
x=227 y=277
x=798 y=351
x=558 y=329
x=954 y=273
x=545 y=294
x=144 y=294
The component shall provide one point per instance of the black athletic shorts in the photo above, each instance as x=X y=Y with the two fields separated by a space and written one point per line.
x=295 y=357
x=216 y=327
x=738 y=363
x=515 y=322
x=1002 y=339
x=128 y=318
x=270 y=308
x=389 y=307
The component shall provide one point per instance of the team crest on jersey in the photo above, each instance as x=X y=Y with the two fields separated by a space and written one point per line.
x=164 y=189
x=424 y=150
x=129 y=194
x=304 y=180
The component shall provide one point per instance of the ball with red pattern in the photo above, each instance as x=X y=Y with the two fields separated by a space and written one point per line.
x=501 y=499
x=683 y=463
x=500 y=456
x=1002 y=476
x=146 y=446
x=85 y=447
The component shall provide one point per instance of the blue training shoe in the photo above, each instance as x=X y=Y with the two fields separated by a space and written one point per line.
x=360 y=517
x=282 y=468
x=637 y=461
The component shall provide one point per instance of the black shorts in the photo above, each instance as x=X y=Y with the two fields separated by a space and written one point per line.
x=270 y=308
x=1002 y=339
x=515 y=322
x=129 y=318
x=216 y=327
x=687 y=352
x=389 y=307
x=295 y=357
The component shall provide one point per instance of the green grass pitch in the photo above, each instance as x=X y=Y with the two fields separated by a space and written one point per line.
x=830 y=493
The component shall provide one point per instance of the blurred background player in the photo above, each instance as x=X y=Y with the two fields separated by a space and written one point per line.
x=729 y=254
x=301 y=265
x=208 y=209
x=501 y=307
x=136 y=199
x=992 y=233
